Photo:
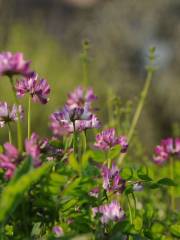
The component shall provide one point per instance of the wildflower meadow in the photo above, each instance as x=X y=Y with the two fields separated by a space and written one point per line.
x=88 y=179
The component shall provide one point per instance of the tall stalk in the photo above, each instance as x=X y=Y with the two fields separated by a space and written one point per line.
x=29 y=116
x=150 y=70
x=85 y=63
x=9 y=133
x=19 y=129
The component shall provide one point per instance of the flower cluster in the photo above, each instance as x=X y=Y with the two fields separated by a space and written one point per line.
x=8 y=114
x=9 y=160
x=112 y=181
x=107 y=139
x=39 y=89
x=109 y=212
x=11 y=64
x=32 y=147
x=168 y=147
x=76 y=115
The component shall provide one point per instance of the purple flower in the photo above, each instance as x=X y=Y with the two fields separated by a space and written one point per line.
x=63 y=122
x=58 y=231
x=32 y=148
x=107 y=139
x=94 y=192
x=78 y=98
x=168 y=147
x=109 y=212
x=112 y=181
x=39 y=89
x=8 y=114
x=11 y=64
x=9 y=159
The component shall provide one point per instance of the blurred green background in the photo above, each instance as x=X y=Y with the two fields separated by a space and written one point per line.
x=50 y=33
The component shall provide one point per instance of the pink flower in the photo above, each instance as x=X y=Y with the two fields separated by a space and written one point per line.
x=109 y=212
x=11 y=64
x=8 y=114
x=167 y=148
x=112 y=180
x=94 y=192
x=32 y=148
x=78 y=98
x=9 y=160
x=39 y=89
x=107 y=139
x=58 y=231
x=64 y=121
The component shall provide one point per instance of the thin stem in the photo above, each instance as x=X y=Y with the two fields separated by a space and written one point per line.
x=75 y=139
x=171 y=168
x=85 y=62
x=19 y=129
x=130 y=214
x=29 y=116
x=9 y=132
x=134 y=200
x=84 y=141
x=139 y=108
x=130 y=210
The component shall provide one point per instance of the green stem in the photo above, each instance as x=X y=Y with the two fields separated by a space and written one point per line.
x=171 y=168
x=85 y=62
x=84 y=141
x=130 y=215
x=75 y=139
x=29 y=117
x=19 y=129
x=139 y=107
x=134 y=200
x=130 y=210
x=9 y=133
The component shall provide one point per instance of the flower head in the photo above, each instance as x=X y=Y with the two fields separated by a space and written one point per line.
x=9 y=160
x=112 y=181
x=11 y=64
x=107 y=139
x=8 y=114
x=68 y=120
x=58 y=231
x=78 y=98
x=39 y=89
x=168 y=147
x=109 y=212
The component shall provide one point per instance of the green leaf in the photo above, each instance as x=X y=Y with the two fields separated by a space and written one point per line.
x=127 y=173
x=114 y=152
x=13 y=193
x=71 y=186
x=99 y=156
x=175 y=230
x=36 y=230
x=142 y=173
x=23 y=168
x=166 y=182
x=74 y=163
x=128 y=190
x=85 y=159
x=157 y=228
x=138 y=223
